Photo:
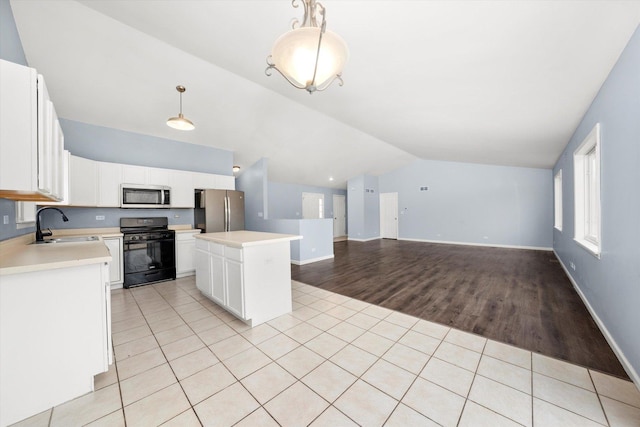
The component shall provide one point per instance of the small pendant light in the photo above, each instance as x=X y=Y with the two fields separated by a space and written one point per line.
x=180 y=122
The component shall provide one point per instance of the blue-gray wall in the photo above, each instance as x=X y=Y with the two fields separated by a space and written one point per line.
x=285 y=200
x=473 y=203
x=118 y=146
x=611 y=284
x=363 y=208
x=10 y=44
x=253 y=182
x=317 y=237
x=317 y=242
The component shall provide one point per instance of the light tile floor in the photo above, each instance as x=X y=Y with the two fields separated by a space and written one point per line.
x=180 y=360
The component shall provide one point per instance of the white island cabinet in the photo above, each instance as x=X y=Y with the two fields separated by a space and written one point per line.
x=248 y=273
x=55 y=324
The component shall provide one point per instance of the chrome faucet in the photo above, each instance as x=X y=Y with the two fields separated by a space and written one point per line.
x=39 y=233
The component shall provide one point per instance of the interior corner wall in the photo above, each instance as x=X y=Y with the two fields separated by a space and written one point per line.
x=610 y=285
x=473 y=203
x=253 y=181
x=363 y=208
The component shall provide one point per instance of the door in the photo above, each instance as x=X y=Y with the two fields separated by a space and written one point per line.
x=312 y=205
x=389 y=215
x=214 y=205
x=235 y=200
x=339 y=216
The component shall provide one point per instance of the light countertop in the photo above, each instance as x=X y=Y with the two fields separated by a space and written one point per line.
x=244 y=238
x=24 y=257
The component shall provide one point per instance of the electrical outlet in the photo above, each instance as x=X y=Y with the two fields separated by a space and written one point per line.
x=424 y=188
x=99 y=217
x=573 y=266
x=5 y=219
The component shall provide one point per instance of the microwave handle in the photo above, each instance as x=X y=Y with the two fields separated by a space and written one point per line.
x=162 y=198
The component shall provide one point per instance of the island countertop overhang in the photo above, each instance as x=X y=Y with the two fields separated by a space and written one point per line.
x=245 y=238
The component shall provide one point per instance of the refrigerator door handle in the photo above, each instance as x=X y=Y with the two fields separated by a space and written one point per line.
x=226 y=214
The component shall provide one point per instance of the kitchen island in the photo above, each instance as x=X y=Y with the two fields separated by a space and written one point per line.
x=248 y=273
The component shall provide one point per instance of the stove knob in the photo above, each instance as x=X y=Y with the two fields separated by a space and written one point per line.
x=134 y=237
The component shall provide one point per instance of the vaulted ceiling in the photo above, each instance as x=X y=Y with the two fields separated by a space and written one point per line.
x=495 y=82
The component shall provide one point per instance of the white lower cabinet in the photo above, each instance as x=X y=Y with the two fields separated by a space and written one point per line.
x=52 y=347
x=218 y=280
x=116 y=275
x=186 y=253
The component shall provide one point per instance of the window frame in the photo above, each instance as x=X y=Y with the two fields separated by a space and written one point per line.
x=557 y=200
x=587 y=200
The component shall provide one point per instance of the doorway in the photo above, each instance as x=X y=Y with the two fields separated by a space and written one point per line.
x=312 y=205
x=389 y=215
x=339 y=216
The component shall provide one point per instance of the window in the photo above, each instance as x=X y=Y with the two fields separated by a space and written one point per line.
x=557 y=200
x=587 y=192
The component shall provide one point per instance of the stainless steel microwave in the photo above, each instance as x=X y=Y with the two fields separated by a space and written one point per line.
x=145 y=196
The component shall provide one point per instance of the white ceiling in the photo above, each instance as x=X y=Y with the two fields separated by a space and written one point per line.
x=496 y=82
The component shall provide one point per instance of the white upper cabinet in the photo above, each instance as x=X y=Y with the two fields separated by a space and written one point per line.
x=204 y=180
x=98 y=184
x=226 y=182
x=109 y=179
x=181 y=183
x=82 y=182
x=31 y=142
x=156 y=176
x=134 y=174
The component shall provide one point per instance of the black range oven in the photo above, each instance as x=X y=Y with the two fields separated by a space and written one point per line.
x=149 y=250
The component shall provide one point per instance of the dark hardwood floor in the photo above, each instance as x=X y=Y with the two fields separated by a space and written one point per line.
x=515 y=296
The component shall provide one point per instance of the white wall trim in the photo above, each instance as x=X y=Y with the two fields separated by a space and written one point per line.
x=364 y=240
x=635 y=377
x=491 y=245
x=309 y=261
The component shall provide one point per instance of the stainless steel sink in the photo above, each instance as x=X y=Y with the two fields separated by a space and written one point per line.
x=75 y=239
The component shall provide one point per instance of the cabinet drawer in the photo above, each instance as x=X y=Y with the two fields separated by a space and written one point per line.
x=202 y=244
x=186 y=236
x=216 y=249
x=233 y=253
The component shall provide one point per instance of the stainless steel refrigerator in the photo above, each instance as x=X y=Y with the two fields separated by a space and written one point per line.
x=219 y=210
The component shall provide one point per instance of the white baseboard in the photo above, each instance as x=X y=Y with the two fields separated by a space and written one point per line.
x=364 y=240
x=185 y=274
x=309 y=261
x=491 y=245
x=614 y=346
x=115 y=286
